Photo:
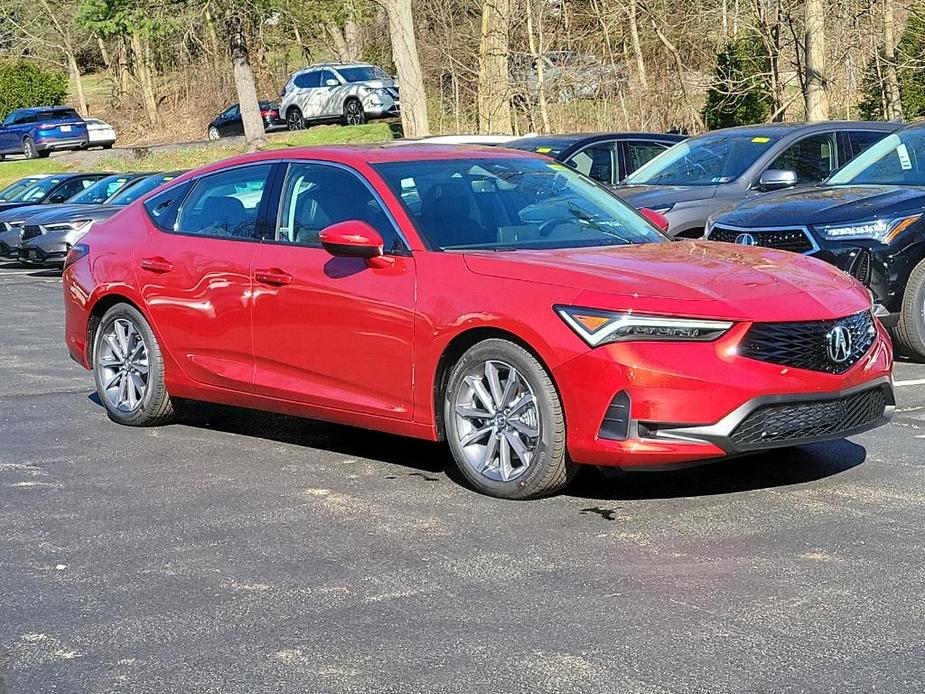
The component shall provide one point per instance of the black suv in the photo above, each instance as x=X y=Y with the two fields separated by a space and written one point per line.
x=868 y=219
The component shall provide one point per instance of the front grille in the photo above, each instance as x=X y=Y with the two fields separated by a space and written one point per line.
x=793 y=240
x=30 y=231
x=791 y=423
x=805 y=345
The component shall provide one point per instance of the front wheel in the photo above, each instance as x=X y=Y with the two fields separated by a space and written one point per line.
x=129 y=369
x=909 y=332
x=354 y=113
x=504 y=423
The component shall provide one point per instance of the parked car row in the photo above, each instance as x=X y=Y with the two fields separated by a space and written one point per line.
x=40 y=224
x=37 y=132
x=489 y=297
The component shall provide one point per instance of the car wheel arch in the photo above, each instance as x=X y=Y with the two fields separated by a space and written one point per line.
x=100 y=307
x=457 y=346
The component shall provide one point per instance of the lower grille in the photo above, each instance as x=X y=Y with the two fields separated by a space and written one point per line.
x=30 y=231
x=860 y=267
x=805 y=345
x=791 y=423
x=793 y=240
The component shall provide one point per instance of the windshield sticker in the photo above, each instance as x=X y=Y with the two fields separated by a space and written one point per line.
x=556 y=166
x=544 y=150
x=721 y=179
x=761 y=140
x=904 y=161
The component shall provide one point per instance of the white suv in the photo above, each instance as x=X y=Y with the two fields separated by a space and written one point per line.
x=351 y=93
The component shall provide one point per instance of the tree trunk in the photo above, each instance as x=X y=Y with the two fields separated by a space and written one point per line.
x=74 y=72
x=494 y=100
x=894 y=107
x=124 y=71
x=411 y=81
x=104 y=53
x=815 y=97
x=637 y=47
x=536 y=55
x=143 y=75
x=254 y=133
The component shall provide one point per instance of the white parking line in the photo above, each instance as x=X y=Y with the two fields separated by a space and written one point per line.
x=915 y=382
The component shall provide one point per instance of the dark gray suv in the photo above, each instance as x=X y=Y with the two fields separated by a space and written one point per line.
x=709 y=172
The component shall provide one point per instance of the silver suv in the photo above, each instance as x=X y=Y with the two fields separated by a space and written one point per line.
x=350 y=93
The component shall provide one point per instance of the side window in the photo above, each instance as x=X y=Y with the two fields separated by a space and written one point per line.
x=327 y=75
x=163 y=208
x=232 y=111
x=308 y=80
x=225 y=204
x=596 y=161
x=639 y=152
x=859 y=140
x=316 y=196
x=69 y=189
x=812 y=158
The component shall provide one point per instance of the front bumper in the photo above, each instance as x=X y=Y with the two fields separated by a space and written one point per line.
x=32 y=254
x=689 y=402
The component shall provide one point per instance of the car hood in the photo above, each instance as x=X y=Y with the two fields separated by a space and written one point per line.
x=21 y=212
x=656 y=197
x=10 y=206
x=689 y=278
x=825 y=205
x=64 y=213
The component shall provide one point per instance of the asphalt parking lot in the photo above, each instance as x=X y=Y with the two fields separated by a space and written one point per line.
x=247 y=552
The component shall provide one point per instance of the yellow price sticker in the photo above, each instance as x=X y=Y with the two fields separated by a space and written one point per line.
x=544 y=150
x=761 y=139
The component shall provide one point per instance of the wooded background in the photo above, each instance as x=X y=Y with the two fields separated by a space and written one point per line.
x=161 y=69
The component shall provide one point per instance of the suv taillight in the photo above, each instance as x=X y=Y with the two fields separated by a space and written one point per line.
x=75 y=253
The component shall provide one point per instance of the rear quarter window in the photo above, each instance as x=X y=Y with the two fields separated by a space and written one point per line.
x=164 y=207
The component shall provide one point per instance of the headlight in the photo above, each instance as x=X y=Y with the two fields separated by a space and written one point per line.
x=381 y=91
x=598 y=327
x=12 y=225
x=662 y=209
x=76 y=225
x=883 y=230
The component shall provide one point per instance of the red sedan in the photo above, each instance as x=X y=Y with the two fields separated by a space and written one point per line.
x=490 y=298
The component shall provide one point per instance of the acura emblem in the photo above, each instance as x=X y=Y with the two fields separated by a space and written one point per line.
x=746 y=240
x=838 y=344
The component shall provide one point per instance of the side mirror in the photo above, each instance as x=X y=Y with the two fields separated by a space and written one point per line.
x=657 y=218
x=352 y=239
x=331 y=83
x=777 y=179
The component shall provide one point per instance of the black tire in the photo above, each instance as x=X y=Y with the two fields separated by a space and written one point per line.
x=28 y=148
x=155 y=406
x=108 y=145
x=354 y=113
x=550 y=468
x=294 y=119
x=909 y=332
x=213 y=133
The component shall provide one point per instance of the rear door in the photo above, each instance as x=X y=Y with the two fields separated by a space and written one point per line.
x=308 y=83
x=194 y=271
x=598 y=161
x=231 y=123
x=333 y=332
x=635 y=153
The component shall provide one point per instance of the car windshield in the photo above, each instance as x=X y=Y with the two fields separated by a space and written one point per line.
x=39 y=189
x=362 y=73
x=15 y=191
x=897 y=159
x=707 y=160
x=132 y=193
x=101 y=190
x=511 y=203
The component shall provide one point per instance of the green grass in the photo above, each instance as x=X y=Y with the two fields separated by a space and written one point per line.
x=199 y=154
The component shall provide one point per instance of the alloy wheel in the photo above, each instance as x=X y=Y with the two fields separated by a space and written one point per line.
x=294 y=120
x=497 y=421
x=123 y=365
x=213 y=133
x=354 y=113
x=28 y=149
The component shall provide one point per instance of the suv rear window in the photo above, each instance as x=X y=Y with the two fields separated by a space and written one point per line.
x=58 y=114
x=308 y=80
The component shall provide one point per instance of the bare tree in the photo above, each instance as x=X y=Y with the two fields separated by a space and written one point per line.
x=815 y=96
x=254 y=133
x=893 y=105
x=494 y=97
x=410 y=78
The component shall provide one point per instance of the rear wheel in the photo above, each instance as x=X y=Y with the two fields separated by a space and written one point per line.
x=909 y=332
x=354 y=113
x=213 y=133
x=294 y=119
x=129 y=369
x=504 y=423
x=29 y=149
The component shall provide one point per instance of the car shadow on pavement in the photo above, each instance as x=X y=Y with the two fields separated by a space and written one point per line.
x=777 y=468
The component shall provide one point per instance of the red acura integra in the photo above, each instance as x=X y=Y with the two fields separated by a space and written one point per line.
x=490 y=298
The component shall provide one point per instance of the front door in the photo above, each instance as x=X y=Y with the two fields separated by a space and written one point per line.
x=195 y=272
x=332 y=332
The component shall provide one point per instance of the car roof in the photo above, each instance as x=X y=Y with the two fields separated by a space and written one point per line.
x=791 y=128
x=321 y=66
